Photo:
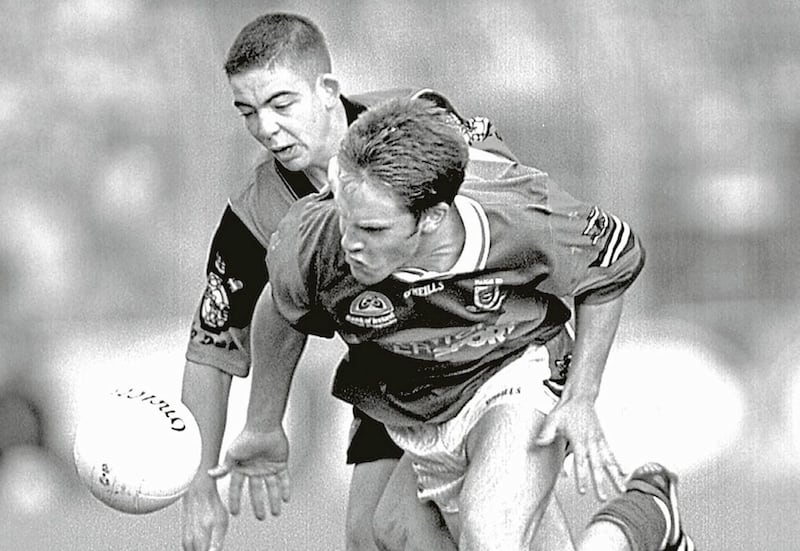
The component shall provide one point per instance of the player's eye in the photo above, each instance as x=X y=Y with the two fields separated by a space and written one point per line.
x=281 y=105
x=372 y=230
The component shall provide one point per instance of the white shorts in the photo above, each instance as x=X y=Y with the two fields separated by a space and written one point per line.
x=438 y=451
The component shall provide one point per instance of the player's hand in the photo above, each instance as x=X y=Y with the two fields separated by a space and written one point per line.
x=576 y=420
x=204 y=518
x=260 y=457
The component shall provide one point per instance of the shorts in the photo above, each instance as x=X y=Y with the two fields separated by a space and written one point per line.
x=369 y=440
x=438 y=451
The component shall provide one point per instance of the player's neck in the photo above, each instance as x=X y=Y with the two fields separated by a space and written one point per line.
x=441 y=249
x=318 y=173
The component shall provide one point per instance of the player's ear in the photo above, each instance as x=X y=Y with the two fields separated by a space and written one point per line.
x=329 y=89
x=433 y=217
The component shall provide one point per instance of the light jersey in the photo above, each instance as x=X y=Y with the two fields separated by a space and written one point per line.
x=236 y=271
x=420 y=343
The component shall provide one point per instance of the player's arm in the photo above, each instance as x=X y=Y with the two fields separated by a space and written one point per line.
x=218 y=349
x=595 y=258
x=575 y=416
x=205 y=392
x=276 y=348
x=260 y=453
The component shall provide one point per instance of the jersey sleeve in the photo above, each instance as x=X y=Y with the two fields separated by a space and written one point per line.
x=595 y=255
x=236 y=273
x=297 y=253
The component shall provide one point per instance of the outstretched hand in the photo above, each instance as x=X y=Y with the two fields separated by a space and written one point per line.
x=577 y=421
x=261 y=458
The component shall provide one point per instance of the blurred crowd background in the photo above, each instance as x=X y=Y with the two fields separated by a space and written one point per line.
x=120 y=146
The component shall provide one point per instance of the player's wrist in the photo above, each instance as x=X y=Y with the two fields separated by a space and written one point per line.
x=580 y=396
x=257 y=426
x=202 y=481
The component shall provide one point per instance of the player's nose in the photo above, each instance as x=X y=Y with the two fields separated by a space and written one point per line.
x=350 y=241
x=267 y=125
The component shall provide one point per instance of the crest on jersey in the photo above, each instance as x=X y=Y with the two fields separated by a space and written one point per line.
x=215 y=308
x=478 y=129
x=558 y=375
x=596 y=224
x=372 y=310
x=487 y=295
x=616 y=233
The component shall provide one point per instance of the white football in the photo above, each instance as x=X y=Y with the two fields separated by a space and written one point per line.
x=137 y=451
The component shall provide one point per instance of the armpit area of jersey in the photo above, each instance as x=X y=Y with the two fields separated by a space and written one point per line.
x=236 y=273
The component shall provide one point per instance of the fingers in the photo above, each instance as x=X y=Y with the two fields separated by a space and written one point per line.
x=258 y=496
x=548 y=433
x=612 y=465
x=581 y=462
x=599 y=460
x=285 y=486
x=217 y=538
x=278 y=491
x=235 y=492
x=598 y=471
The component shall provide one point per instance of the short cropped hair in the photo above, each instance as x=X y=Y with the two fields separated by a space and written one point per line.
x=279 y=39
x=409 y=145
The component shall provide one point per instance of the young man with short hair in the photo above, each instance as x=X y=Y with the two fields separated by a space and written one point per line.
x=279 y=70
x=450 y=298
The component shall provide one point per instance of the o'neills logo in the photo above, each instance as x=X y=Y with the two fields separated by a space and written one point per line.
x=425 y=290
x=372 y=310
x=176 y=423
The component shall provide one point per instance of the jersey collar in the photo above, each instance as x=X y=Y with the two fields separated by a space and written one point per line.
x=473 y=255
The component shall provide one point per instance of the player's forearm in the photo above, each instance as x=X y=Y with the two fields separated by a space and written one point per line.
x=276 y=349
x=205 y=392
x=595 y=328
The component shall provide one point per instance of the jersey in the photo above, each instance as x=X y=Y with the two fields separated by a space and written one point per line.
x=236 y=272
x=420 y=343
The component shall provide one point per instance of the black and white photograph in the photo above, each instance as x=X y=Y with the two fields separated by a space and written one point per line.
x=400 y=275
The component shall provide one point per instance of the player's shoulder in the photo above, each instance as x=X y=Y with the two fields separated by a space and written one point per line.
x=262 y=175
x=263 y=201
x=497 y=178
x=309 y=223
x=371 y=98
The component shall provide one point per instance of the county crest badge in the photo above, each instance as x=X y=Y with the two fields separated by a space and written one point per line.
x=487 y=295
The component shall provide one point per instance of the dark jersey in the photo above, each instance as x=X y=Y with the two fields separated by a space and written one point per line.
x=420 y=343
x=236 y=271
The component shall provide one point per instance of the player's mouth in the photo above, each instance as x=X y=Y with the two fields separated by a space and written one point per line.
x=358 y=268
x=285 y=152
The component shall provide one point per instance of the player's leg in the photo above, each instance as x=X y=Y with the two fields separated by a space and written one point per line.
x=509 y=480
x=403 y=522
x=366 y=487
x=553 y=533
x=373 y=456
x=644 y=518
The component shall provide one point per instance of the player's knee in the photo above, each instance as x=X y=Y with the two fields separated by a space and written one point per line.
x=388 y=530
x=481 y=531
x=358 y=534
x=359 y=539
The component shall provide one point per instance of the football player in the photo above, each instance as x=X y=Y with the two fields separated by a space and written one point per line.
x=447 y=283
x=279 y=70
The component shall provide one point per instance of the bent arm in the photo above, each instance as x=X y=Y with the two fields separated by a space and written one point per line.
x=276 y=348
x=595 y=329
